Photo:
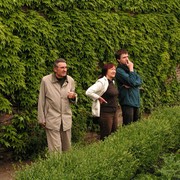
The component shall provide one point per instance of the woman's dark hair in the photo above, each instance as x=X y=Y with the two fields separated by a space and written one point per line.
x=105 y=69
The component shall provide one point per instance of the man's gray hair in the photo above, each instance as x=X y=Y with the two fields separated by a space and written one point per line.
x=58 y=61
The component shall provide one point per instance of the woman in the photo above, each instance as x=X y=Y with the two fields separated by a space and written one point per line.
x=104 y=95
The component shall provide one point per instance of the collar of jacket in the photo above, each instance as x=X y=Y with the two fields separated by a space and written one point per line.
x=107 y=80
x=55 y=80
x=124 y=67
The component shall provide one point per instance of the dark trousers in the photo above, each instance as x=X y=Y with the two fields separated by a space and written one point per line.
x=130 y=114
x=108 y=124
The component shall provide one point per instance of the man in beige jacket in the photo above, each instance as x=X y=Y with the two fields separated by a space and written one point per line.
x=57 y=92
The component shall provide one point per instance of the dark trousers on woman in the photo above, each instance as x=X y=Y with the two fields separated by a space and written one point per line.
x=130 y=114
x=108 y=124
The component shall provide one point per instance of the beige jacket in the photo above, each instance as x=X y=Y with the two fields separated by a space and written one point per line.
x=53 y=104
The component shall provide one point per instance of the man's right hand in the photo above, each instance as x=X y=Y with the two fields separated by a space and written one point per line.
x=43 y=125
x=130 y=65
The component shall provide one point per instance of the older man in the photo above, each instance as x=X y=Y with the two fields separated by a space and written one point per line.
x=57 y=92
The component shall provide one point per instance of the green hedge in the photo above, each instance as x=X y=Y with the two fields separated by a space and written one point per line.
x=86 y=33
x=131 y=151
x=167 y=168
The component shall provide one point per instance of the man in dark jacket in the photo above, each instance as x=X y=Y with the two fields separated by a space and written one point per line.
x=128 y=82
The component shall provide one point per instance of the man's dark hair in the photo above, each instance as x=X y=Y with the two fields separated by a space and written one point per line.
x=119 y=53
x=58 y=61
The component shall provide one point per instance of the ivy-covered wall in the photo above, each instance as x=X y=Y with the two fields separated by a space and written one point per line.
x=34 y=33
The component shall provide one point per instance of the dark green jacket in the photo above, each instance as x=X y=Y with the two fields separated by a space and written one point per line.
x=128 y=96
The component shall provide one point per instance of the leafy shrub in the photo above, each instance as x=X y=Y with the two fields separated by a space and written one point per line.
x=171 y=167
x=23 y=137
x=167 y=168
x=132 y=150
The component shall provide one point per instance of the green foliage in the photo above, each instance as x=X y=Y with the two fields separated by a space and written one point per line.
x=34 y=33
x=12 y=69
x=6 y=104
x=171 y=167
x=23 y=136
x=167 y=168
x=79 y=127
x=132 y=150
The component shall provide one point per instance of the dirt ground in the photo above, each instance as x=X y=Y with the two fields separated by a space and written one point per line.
x=7 y=169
